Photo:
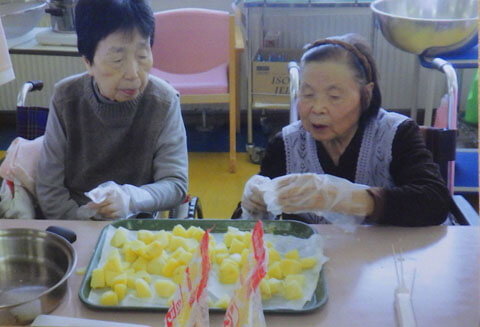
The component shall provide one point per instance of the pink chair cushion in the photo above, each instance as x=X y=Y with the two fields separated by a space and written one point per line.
x=190 y=41
x=213 y=81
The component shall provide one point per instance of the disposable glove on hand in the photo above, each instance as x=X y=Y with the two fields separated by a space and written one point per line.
x=298 y=193
x=253 y=205
x=109 y=201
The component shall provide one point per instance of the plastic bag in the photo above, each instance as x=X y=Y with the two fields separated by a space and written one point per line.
x=245 y=308
x=189 y=307
x=16 y=202
x=20 y=164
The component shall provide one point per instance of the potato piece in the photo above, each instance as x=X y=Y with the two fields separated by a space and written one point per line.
x=140 y=264
x=236 y=257
x=119 y=237
x=114 y=261
x=163 y=237
x=196 y=233
x=178 y=252
x=153 y=250
x=275 y=270
x=155 y=266
x=109 y=298
x=244 y=257
x=98 y=278
x=142 y=288
x=220 y=257
x=290 y=267
x=170 y=266
x=293 y=290
x=223 y=302
x=145 y=236
x=130 y=255
x=120 y=290
x=269 y=244
x=247 y=240
x=119 y=279
x=292 y=254
x=110 y=276
x=273 y=256
x=229 y=271
x=308 y=263
x=178 y=274
x=144 y=275
x=299 y=278
x=138 y=247
x=185 y=258
x=177 y=242
x=221 y=248
x=237 y=246
x=265 y=290
x=179 y=230
x=165 y=288
x=276 y=286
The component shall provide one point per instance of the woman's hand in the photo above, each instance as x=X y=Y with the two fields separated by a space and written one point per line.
x=110 y=201
x=253 y=204
x=313 y=192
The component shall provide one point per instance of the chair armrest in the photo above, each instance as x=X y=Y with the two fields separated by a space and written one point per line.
x=463 y=212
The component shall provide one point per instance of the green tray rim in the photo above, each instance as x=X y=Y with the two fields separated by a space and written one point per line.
x=319 y=297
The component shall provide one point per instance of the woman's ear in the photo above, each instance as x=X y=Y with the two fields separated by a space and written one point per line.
x=88 y=65
x=367 y=91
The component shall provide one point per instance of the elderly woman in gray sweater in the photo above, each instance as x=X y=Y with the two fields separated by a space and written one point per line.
x=115 y=123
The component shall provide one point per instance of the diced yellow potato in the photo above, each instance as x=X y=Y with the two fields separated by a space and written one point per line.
x=120 y=279
x=114 y=261
x=273 y=256
x=144 y=275
x=275 y=270
x=155 y=266
x=98 y=278
x=145 y=236
x=178 y=253
x=290 y=267
x=236 y=257
x=185 y=258
x=276 y=286
x=179 y=230
x=265 y=289
x=131 y=278
x=170 y=266
x=247 y=240
x=292 y=254
x=153 y=250
x=142 y=288
x=229 y=271
x=269 y=245
x=120 y=290
x=211 y=242
x=140 y=264
x=110 y=276
x=223 y=302
x=138 y=247
x=197 y=233
x=119 y=237
x=177 y=242
x=299 y=278
x=237 y=246
x=308 y=263
x=125 y=266
x=244 y=257
x=165 y=288
x=228 y=238
x=220 y=257
x=109 y=298
x=130 y=255
x=163 y=237
x=293 y=290
x=221 y=248
x=178 y=274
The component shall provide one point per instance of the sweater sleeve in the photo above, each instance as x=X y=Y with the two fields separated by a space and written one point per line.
x=170 y=162
x=52 y=195
x=420 y=197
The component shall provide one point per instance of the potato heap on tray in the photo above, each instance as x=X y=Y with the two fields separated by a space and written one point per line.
x=130 y=264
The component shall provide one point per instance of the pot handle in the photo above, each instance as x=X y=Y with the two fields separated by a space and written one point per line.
x=54 y=11
x=66 y=233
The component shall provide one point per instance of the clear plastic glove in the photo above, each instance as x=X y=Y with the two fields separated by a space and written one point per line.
x=253 y=204
x=109 y=201
x=296 y=193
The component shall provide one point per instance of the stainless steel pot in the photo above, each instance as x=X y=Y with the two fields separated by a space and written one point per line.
x=34 y=269
x=62 y=15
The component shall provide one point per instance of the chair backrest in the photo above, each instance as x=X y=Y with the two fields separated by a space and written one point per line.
x=189 y=40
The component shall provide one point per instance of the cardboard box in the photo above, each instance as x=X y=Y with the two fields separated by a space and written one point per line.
x=270 y=79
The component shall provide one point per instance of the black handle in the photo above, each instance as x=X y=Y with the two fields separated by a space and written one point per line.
x=66 y=233
x=37 y=85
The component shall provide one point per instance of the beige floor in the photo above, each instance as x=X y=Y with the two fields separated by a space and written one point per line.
x=218 y=190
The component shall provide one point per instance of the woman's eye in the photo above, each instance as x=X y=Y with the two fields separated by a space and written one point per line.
x=334 y=97
x=307 y=95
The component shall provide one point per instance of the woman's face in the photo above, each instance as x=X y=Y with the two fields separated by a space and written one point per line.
x=329 y=100
x=121 y=64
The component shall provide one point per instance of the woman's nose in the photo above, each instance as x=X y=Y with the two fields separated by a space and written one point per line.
x=319 y=106
x=131 y=70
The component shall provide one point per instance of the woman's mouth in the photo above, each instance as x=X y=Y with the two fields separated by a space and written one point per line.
x=129 y=92
x=319 y=126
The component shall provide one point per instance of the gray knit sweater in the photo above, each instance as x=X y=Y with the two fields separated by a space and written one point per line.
x=89 y=141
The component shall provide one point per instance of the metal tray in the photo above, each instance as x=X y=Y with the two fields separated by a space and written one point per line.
x=278 y=227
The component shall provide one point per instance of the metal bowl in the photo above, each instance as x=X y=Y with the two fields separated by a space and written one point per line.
x=20 y=17
x=428 y=27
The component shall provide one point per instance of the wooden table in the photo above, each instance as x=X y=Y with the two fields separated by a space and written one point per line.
x=360 y=277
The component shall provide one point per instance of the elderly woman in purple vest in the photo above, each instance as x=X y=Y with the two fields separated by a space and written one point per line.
x=347 y=155
x=114 y=132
